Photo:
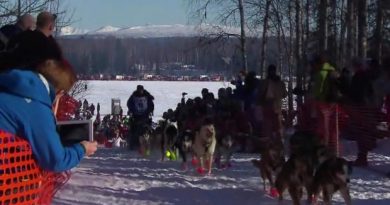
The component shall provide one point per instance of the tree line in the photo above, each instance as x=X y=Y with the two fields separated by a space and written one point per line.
x=342 y=28
x=110 y=55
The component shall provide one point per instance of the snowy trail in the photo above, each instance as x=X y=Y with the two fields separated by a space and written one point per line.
x=124 y=178
x=113 y=177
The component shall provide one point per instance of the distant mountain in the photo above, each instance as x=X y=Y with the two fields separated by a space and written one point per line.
x=105 y=30
x=151 y=31
x=69 y=31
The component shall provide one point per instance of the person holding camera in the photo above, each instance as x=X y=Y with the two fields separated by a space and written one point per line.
x=26 y=110
x=30 y=145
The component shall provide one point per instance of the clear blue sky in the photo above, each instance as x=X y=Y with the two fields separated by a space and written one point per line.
x=93 y=14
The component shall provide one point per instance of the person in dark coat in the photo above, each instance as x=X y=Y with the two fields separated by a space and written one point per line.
x=362 y=116
x=140 y=103
x=141 y=108
x=92 y=109
x=31 y=48
x=25 y=22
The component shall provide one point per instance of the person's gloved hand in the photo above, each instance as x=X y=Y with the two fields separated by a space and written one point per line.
x=90 y=147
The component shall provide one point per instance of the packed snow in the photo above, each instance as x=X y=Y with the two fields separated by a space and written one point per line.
x=119 y=177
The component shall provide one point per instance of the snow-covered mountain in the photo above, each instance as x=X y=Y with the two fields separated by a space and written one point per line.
x=153 y=31
x=67 y=31
x=105 y=29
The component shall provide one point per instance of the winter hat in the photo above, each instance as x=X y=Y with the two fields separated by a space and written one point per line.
x=140 y=87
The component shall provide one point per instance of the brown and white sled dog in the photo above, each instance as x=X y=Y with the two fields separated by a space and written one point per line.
x=271 y=163
x=332 y=176
x=204 y=146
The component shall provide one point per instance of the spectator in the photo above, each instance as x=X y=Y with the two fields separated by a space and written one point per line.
x=361 y=112
x=31 y=48
x=239 y=83
x=345 y=82
x=251 y=87
x=324 y=93
x=85 y=105
x=28 y=96
x=229 y=92
x=273 y=90
x=7 y=32
x=205 y=92
x=92 y=109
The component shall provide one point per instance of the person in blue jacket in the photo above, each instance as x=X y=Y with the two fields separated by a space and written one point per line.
x=26 y=111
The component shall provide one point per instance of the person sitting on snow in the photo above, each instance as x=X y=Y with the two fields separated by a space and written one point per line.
x=141 y=108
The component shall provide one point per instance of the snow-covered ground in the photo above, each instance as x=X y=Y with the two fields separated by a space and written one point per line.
x=118 y=177
x=167 y=94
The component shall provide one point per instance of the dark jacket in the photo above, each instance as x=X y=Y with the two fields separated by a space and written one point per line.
x=8 y=32
x=31 y=48
x=141 y=104
x=361 y=88
x=25 y=111
x=11 y=30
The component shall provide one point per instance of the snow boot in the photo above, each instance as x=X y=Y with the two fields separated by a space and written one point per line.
x=273 y=192
x=201 y=171
x=194 y=161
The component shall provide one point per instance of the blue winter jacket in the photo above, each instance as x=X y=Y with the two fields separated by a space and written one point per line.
x=25 y=110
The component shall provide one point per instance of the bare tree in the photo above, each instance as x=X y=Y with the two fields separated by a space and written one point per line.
x=341 y=60
x=80 y=89
x=298 y=46
x=11 y=10
x=378 y=33
x=362 y=27
x=228 y=13
x=351 y=29
x=264 y=38
x=323 y=25
x=243 y=35
x=65 y=14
